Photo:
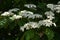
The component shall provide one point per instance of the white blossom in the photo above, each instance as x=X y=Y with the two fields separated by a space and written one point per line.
x=51 y=6
x=31 y=16
x=15 y=17
x=26 y=15
x=58 y=11
x=25 y=12
x=30 y=5
x=50 y=17
x=58 y=2
x=29 y=25
x=57 y=8
x=47 y=22
x=54 y=24
x=14 y=9
x=32 y=25
x=35 y=16
x=38 y=15
x=6 y=14
x=49 y=13
x=22 y=28
x=9 y=33
x=54 y=7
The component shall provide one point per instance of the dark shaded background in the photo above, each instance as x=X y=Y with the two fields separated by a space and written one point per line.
x=7 y=4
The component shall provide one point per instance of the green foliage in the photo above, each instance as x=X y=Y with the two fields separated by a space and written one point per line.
x=21 y=22
x=3 y=23
x=49 y=33
x=30 y=35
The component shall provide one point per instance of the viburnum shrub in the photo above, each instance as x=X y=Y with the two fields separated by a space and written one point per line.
x=16 y=24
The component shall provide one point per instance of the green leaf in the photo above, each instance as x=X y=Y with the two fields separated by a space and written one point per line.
x=17 y=38
x=30 y=35
x=49 y=33
x=3 y=22
x=17 y=1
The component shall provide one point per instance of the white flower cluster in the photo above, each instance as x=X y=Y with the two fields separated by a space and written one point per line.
x=51 y=6
x=57 y=8
x=15 y=17
x=14 y=9
x=24 y=13
x=30 y=5
x=54 y=7
x=58 y=2
x=10 y=13
x=50 y=15
x=29 y=14
x=47 y=22
x=29 y=25
x=35 y=16
x=7 y=14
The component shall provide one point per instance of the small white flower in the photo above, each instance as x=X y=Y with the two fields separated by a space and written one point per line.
x=57 y=8
x=58 y=2
x=9 y=33
x=15 y=17
x=38 y=15
x=58 y=11
x=35 y=16
x=29 y=25
x=51 y=6
x=22 y=28
x=57 y=5
x=54 y=24
x=30 y=5
x=6 y=14
x=14 y=9
x=31 y=16
x=46 y=22
x=40 y=23
x=50 y=17
x=34 y=24
x=25 y=12
x=49 y=13
x=27 y=15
